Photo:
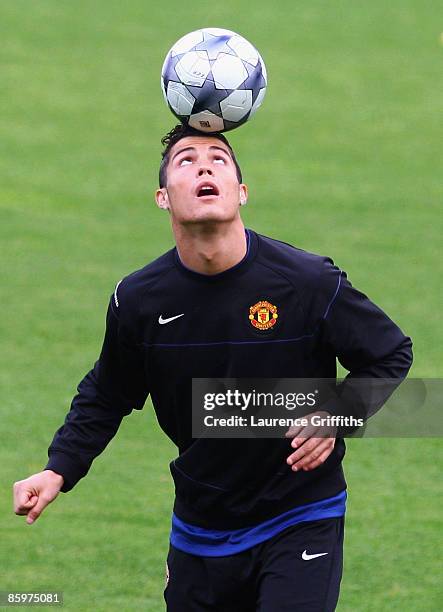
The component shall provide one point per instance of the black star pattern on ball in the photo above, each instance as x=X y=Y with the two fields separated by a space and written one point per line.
x=214 y=45
x=208 y=97
x=230 y=125
x=255 y=81
x=169 y=73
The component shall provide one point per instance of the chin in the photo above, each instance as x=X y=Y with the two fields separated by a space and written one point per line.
x=211 y=214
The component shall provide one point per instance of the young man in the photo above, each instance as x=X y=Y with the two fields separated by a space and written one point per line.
x=257 y=523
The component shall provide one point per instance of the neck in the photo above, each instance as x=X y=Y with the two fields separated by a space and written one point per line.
x=211 y=249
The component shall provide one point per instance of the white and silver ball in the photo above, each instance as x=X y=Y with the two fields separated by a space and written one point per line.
x=213 y=79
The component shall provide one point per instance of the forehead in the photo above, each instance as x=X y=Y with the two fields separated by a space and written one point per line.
x=199 y=143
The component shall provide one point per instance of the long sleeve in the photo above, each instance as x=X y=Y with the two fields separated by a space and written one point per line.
x=111 y=390
x=367 y=343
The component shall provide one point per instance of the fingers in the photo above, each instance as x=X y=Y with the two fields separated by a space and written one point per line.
x=313 y=444
x=305 y=434
x=309 y=427
x=293 y=431
x=23 y=505
x=25 y=498
x=312 y=431
x=309 y=451
x=37 y=509
x=29 y=502
x=311 y=454
x=31 y=496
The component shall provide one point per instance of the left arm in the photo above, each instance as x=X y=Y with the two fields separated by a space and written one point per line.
x=370 y=346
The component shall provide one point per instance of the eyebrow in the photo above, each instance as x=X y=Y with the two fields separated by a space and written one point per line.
x=194 y=149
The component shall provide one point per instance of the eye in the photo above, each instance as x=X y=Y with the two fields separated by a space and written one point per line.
x=219 y=160
x=185 y=161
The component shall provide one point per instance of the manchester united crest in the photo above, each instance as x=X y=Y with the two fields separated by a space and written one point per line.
x=263 y=315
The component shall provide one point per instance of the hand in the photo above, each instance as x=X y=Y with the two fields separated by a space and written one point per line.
x=311 y=451
x=31 y=496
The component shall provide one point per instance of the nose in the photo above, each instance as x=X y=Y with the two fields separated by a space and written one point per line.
x=204 y=170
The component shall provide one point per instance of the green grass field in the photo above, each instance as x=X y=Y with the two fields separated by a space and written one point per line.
x=343 y=158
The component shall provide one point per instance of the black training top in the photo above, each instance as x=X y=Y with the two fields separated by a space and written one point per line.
x=227 y=483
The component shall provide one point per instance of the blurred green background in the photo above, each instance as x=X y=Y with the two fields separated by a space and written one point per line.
x=343 y=159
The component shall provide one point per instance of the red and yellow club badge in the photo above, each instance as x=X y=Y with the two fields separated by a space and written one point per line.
x=263 y=315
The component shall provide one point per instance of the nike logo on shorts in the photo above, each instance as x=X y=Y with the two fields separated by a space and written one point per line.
x=307 y=557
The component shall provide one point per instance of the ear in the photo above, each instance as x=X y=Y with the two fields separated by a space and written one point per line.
x=243 y=194
x=161 y=197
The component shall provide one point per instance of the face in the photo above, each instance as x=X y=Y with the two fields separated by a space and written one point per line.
x=202 y=183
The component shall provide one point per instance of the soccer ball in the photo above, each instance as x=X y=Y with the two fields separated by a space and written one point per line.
x=213 y=79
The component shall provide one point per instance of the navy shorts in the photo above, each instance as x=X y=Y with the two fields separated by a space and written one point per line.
x=298 y=570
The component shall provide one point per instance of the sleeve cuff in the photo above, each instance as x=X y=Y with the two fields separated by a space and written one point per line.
x=68 y=467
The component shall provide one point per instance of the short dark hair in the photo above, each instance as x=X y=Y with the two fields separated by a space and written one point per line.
x=183 y=131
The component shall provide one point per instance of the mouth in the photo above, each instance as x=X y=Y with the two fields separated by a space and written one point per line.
x=207 y=189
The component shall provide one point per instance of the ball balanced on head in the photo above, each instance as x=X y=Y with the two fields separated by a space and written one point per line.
x=213 y=79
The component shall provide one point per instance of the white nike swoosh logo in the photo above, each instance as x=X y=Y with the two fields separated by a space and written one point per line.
x=307 y=557
x=162 y=321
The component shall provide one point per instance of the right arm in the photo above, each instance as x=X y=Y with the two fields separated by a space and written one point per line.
x=111 y=390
